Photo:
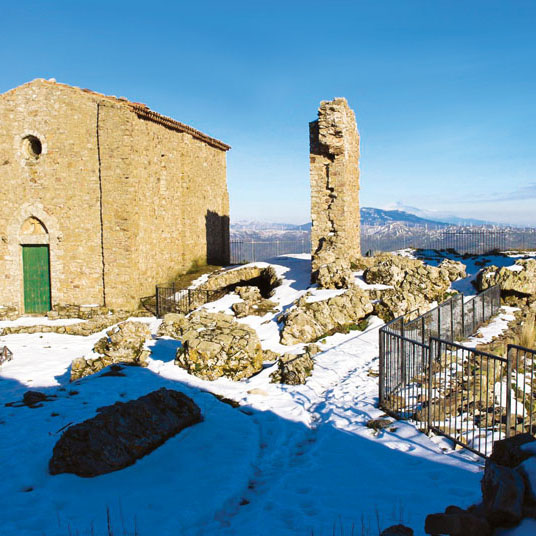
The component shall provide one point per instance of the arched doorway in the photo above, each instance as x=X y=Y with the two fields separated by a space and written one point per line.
x=35 y=266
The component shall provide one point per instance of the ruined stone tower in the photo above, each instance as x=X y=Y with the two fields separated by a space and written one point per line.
x=334 y=170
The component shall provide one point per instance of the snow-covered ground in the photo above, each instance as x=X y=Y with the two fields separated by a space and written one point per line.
x=289 y=460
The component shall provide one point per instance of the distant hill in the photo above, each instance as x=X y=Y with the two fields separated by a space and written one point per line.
x=369 y=216
x=378 y=216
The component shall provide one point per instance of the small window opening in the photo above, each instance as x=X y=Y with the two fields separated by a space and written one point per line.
x=33 y=146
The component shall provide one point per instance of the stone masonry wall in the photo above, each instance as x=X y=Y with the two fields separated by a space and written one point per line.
x=334 y=171
x=164 y=196
x=60 y=188
x=183 y=209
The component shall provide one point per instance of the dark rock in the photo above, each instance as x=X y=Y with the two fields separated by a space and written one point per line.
x=457 y=523
x=507 y=452
x=397 y=530
x=502 y=493
x=527 y=470
x=454 y=510
x=123 y=433
x=529 y=510
x=31 y=398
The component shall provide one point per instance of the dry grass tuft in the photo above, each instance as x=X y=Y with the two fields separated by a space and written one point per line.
x=527 y=336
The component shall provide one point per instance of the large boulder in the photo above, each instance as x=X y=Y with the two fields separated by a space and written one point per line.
x=310 y=321
x=510 y=452
x=123 y=344
x=123 y=433
x=519 y=279
x=216 y=345
x=502 y=493
x=457 y=523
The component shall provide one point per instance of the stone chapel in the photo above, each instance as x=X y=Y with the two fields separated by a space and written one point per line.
x=101 y=198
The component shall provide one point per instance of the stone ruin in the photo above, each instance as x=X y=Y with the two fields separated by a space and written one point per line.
x=334 y=171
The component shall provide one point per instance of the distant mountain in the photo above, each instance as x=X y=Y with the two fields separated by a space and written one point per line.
x=445 y=217
x=378 y=216
x=369 y=216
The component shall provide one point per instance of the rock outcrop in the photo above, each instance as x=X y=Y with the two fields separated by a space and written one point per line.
x=308 y=322
x=409 y=275
x=123 y=433
x=83 y=328
x=263 y=277
x=518 y=279
x=294 y=369
x=216 y=345
x=415 y=285
x=253 y=304
x=124 y=344
x=455 y=269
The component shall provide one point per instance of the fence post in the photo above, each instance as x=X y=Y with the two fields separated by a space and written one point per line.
x=423 y=336
x=439 y=321
x=431 y=351
x=403 y=352
x=508 y=390
x=189 y=300
x=463 y=318
x=381 y=370
x=157 y=303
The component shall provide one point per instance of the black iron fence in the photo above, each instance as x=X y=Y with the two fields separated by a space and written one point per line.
x=521 y=373
x=466 y=240
x=262 y=250
x=469 y=396
x=170 y=299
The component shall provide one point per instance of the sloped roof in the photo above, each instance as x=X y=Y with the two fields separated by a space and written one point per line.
x=142 y=111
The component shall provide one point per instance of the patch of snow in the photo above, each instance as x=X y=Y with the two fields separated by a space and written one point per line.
x=39 y=321
x=323 y=294
x=360 y=282
x=515 y=268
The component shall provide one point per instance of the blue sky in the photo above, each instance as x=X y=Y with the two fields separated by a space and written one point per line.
x=444 y=91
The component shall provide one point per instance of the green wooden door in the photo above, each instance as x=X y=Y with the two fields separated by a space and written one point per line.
x=36 y=267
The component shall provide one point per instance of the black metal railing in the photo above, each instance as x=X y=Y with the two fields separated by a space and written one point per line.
x=471 y=397
x=454 y=318
x=466 y=240
x=521 y=374
x=262 y=250
x=170 y=299
x=466 y=399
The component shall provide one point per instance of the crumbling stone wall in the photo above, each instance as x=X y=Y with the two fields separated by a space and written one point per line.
x=334 y=171
x=123 y=197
